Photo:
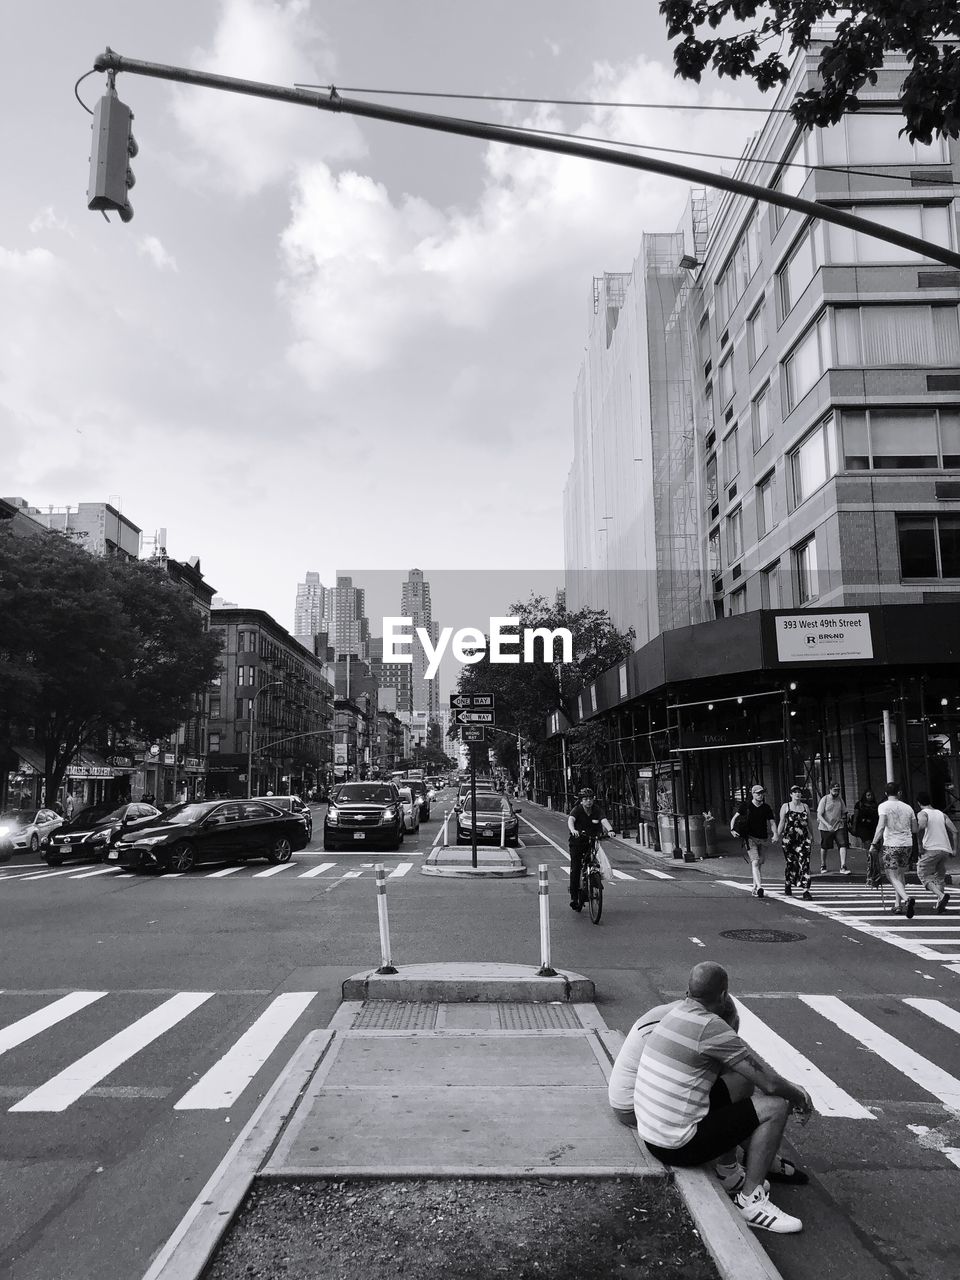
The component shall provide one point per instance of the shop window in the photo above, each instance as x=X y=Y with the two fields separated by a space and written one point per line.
x=899 y=335
x=926 y=221
x=909 y=439
x=929 y=546
x=757 y=333
x=806 y=363
x=814 y=461
x=805 y=566
x=760 y=416
x=765 y=517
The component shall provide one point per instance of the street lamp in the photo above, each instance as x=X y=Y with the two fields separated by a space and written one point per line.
x=253 y=702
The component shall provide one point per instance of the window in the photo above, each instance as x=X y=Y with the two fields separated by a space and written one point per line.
x=926 y=221
x=213 y=743
x=870 y=138
x=731 y=456
x=793 y=175
x=243 y=708
x=711 y=487
x=765 y=517
x=708 y=409
x=215 y=708
x=761 y=419
x=217 y=680
x=757 y=333
x=714 y=566
x=735 y=535
x=242 y=741
x=738 y=601
x=813 y=461
x=724 y=299
x=911 y=335
x=241 y=675
x=806 y=363
x=770 y=596
x=725 y=381
x=805 y=562
x=929 y=546
x=800 y=268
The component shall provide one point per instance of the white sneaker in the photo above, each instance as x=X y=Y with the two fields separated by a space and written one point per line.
x=758 y=1211
x=732 y=1178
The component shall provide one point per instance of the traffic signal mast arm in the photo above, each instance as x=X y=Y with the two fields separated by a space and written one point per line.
x=332 y=101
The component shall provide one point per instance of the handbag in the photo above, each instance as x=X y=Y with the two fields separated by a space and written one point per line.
x=606 y=871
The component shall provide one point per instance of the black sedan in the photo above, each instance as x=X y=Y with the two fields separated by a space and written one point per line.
x=94 y=831
x=211 y=831
x=492 y=813
x=363 y=815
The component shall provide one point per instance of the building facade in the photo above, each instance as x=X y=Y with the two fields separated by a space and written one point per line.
x=97 y=527
x=415 y=604
x=350 y=629
x=311 y=613
x=784 y=395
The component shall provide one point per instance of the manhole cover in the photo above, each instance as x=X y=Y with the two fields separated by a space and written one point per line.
x=762 y=935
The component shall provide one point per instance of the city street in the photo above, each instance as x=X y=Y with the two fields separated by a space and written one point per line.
x=143 y=1019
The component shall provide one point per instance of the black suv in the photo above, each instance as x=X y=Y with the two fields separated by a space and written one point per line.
x=363 y=815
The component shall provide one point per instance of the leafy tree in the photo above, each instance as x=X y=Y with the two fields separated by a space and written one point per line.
x=929 y=96
x=526 y=694
x=91 y=646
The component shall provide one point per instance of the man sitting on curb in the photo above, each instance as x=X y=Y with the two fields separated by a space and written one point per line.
x=701 y=1092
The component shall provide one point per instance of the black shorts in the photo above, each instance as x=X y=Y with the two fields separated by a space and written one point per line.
x=834 y=839
x=725 y=1126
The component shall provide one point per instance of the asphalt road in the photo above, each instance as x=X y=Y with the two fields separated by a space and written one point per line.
x=117 y=1105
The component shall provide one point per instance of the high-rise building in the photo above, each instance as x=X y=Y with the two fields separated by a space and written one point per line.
x=349 y=628
x=415 y=604
x=310 y=614
x=97 y=527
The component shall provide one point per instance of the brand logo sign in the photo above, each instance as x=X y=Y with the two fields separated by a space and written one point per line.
x=822 y=637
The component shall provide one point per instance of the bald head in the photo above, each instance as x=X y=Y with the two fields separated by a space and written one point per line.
x=708 y=984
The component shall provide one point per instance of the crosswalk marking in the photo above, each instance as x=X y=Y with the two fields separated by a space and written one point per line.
x=48 y=875
x=316 y=871
x=219 y=875
x=914 y=1066
x=401 y=869
x=74 y=1081
x=227 y=1078
x=659 y=875
x=273 y=871
x=937 y=1010
x=30 y=1026
x=100 y=871
x=828 y=1098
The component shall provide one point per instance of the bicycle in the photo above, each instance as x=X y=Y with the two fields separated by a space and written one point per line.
x=591 y=880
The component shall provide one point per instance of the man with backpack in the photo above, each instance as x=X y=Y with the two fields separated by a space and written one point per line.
x=755 y=824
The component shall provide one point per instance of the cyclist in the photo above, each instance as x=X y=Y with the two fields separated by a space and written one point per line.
x=586 y=819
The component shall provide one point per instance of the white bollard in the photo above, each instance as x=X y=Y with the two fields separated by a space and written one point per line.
x=543 y=897
x=503 y=831
x=386 y=966
x=446 y=821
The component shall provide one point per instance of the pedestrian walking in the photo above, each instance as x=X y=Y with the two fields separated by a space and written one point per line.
x=795 y=830
x=865 y=818
x=832 y=825
x=896 y=827
x=938 y=841
x=755 y=824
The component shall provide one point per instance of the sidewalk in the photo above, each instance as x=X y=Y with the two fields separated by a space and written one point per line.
x=451 y=1072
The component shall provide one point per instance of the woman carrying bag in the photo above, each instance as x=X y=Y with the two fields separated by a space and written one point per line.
x=796 y=835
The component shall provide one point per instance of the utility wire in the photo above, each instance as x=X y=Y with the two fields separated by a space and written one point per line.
x=77 y=95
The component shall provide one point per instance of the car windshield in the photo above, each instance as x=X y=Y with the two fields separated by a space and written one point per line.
x=22 y=817
x=488 y=804
x=96 y=813
x=360 y=794
x=406 y=795
x=182 y=814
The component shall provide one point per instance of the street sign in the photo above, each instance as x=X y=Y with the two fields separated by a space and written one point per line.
x=473 y=701
x=475 y=717
x=473 y=733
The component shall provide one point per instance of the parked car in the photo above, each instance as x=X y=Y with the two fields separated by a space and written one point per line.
x=464 y=792
x=27 y=828
x=211 y=831
x=411 y=809
x=94 y=831
x=487 y=818
x=363 y=814
x=293 y=804
x=419 y=789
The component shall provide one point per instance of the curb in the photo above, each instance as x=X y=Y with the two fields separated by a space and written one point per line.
x=469 y=984
x=453 y=861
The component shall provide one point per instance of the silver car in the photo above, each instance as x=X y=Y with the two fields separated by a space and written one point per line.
x=26 y=828
x=411 y=809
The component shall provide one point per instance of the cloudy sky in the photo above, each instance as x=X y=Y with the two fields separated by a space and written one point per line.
x=324 y=343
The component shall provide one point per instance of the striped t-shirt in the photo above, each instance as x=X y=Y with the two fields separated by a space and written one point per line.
x=681 y=1060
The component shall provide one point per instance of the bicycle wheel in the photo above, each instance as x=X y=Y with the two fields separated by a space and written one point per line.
x=595 y=896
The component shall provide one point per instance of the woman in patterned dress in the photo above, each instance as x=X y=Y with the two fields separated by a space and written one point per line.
x=796 y=837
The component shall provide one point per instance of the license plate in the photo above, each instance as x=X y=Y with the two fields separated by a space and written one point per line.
x=114 y=855
x=488 y=831
x=359 y=835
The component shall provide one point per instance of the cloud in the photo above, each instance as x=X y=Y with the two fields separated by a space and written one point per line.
x=47 y=220
x=151 y=248
x=246 y=143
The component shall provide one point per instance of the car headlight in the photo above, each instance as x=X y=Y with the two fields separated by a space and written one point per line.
x=102 y=837
x=389 y=815
x=7 y=830
x=151 y=839
x=333 y=816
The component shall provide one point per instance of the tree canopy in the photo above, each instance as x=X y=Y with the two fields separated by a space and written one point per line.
x=90 y=646
x=771 y=31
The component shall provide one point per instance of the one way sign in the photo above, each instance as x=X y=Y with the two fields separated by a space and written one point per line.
x=475 y=717
x=473 y=701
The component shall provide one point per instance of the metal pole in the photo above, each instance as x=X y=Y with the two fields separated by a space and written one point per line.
x=887 y=746
x=543 y=897
x=386 y=965
x=473 y=802
x=250 y=748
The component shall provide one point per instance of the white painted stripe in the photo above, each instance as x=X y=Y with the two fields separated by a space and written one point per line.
x=73 y=1082
x=48 y=875
x=100 y=871
x=227 y=1078
x=828 y=1098
x=316 y=871
x=30 y=1026
x=660 y=875
x=914 y=1066
x=351 y=875
x=401 y=869
x=274 y=871
x=622 y=875
x=543 y=836
x=218 y=875
x=937 y=1010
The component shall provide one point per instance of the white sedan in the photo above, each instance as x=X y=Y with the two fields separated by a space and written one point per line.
x=26 y=828
x=411 y=809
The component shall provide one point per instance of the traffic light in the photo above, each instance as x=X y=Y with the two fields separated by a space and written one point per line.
x=113 y=148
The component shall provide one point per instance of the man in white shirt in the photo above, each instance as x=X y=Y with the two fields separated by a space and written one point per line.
x=938 y=838
x=896 y=827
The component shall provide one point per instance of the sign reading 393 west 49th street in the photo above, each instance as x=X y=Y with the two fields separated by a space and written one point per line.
x=473 y=701
x=815 y=637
